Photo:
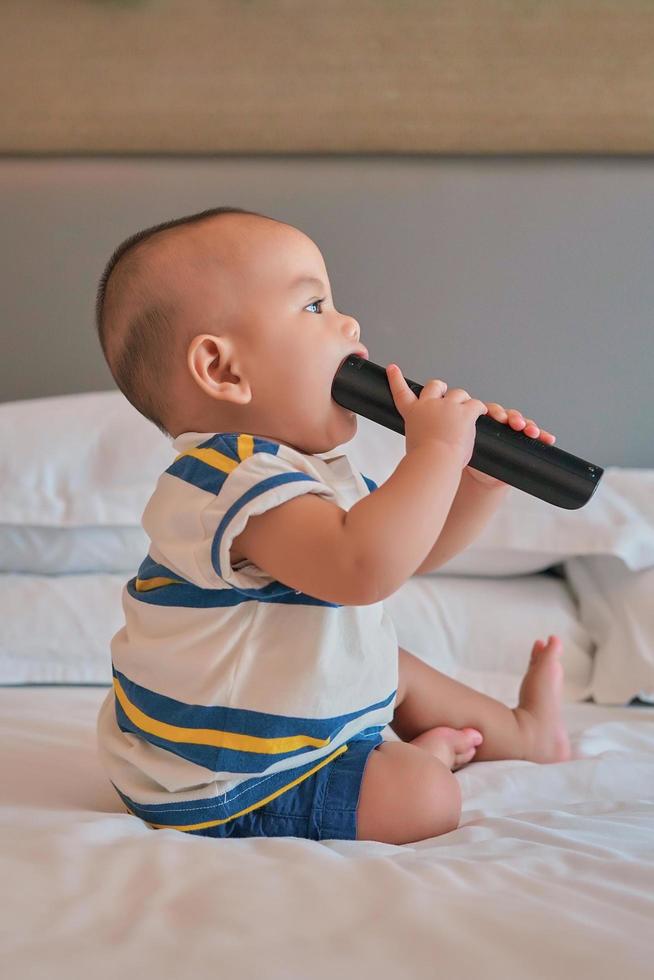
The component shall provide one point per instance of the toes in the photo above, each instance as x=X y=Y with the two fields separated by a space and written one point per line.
x=553 y=643
x=471 y=739
x=466 y=755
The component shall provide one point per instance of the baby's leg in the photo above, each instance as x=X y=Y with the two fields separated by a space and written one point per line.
x=407 y=795
x=533 y=730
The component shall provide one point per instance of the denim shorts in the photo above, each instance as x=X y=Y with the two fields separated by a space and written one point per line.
x=321 y=807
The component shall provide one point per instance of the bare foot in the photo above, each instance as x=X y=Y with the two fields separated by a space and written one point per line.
x=539 y=705
x=453 y=746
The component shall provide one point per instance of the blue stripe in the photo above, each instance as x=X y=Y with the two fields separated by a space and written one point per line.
x=198 y=473
x=192 y=596
x=149 y=568
x=240 y=721
x=370 y=483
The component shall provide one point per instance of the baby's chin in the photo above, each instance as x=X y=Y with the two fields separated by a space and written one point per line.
x=348 y=429
x=335 y=436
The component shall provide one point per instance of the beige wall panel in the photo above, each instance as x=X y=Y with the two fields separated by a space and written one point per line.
x=331 y=76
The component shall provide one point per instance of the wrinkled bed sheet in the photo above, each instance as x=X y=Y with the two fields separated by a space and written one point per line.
x=551 y=871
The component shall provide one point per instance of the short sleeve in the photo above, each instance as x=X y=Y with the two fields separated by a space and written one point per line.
x=213 y=507
x=261 y=482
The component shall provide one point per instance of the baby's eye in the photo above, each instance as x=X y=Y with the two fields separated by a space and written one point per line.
x=316 y=302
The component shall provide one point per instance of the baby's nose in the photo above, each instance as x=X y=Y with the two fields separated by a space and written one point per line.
x=353 y=330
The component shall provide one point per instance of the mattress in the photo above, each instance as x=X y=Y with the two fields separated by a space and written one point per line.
x=550 y=872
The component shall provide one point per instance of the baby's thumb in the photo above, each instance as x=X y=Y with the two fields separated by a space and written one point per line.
x=402 y=394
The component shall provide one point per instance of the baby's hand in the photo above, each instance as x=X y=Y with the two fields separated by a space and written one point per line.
x=517 y=421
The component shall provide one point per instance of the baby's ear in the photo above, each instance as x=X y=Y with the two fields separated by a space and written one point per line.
x=210 y=362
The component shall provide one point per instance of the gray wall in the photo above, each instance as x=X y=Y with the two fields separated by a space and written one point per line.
x=527 y=281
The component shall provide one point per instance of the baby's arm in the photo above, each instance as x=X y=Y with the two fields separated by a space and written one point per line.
x=398 y=524
x=473 y=506
x=363 y=555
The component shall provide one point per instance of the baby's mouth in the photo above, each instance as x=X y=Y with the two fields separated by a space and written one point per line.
x=362 y=352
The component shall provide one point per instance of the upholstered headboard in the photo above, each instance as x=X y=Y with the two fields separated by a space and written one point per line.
x=526 y=281
x=288 y=76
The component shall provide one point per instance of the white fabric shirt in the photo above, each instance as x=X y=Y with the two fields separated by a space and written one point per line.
x=229 y=687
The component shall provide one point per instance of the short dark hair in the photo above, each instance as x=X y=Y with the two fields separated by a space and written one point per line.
x=148 y=347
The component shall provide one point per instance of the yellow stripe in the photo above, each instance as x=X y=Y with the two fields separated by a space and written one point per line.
x=245 y=445
x=244 y=448
x=145 y=584
x=215 y=823
x=213 y=736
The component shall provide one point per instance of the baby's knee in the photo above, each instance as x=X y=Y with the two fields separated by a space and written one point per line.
x=407 y=795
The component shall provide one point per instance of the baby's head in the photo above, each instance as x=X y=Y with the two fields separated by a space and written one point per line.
x=210 y=323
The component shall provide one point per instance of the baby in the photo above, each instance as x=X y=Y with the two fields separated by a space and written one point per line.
x=257 y=666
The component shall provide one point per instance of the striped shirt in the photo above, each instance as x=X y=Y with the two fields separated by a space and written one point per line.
x=229 y=687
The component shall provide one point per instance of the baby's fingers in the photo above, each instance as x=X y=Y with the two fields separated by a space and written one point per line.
x=532 y=430
x=529 y=428
x=517 y=421
x=402 y=394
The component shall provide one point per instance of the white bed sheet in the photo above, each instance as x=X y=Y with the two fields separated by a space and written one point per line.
x=550 y=873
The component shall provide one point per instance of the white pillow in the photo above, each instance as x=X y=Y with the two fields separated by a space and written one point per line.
x=58 y=628
x=62 y=550
x=78 y=460
x=526 y=534
x=616 y=608
x=481 y=631
x=76 y=472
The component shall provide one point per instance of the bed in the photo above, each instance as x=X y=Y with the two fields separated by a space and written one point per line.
x=551 y=870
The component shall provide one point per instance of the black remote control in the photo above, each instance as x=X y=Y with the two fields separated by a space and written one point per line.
x=528 y=464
